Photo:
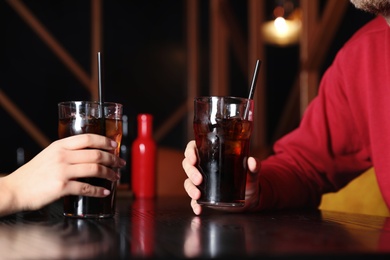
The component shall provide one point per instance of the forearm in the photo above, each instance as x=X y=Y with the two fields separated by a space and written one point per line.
x=8 y=200
x=287 y=181
x=282 y=188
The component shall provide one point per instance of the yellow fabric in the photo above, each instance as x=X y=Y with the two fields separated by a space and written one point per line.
x=362 y=196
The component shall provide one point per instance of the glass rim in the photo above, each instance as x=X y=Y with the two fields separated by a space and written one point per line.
x=202 y=98
x=106 y=103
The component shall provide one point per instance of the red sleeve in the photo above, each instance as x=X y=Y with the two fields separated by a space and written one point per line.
x=323 y=154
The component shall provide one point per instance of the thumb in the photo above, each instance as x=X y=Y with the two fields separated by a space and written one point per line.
x=252 y=185
x=253 y=173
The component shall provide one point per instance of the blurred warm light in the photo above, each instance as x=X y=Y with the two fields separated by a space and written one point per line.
x=281 y=26
x=285 y=29
x=281 y=31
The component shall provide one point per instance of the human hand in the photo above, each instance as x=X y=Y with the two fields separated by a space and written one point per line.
x=53 y=173
x=195 y=178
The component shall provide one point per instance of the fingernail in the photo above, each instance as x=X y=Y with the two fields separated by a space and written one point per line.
x=114 y=144
x=106 y=192
x=122 y=162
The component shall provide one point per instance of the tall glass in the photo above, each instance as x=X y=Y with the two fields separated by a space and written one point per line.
x=80 y=117
x=223 y=127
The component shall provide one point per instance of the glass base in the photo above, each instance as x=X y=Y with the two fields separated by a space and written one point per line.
x=70 y=215
x=218 y=204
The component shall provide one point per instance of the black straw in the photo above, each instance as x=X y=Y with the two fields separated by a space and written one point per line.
x=253 y=86
x=100 y=93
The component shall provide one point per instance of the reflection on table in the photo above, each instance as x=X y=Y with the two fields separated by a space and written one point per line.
x=166 y=227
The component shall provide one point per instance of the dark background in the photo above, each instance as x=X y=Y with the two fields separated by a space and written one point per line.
x=144 y=61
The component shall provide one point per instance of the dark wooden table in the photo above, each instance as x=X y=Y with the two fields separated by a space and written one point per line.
x=167 y=228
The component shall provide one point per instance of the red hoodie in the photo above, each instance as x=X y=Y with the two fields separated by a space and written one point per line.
x=344 y=131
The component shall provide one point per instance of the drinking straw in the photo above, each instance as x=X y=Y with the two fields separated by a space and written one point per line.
x=100 y=94
x=254 y=79
x=253 y=86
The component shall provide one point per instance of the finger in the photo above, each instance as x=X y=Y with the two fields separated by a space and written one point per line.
x=87 y=141
x=196 y=208
x=253 y=165
x=191 y=189
x=85 y=189
x=94 y=156
x=85 y=170
x=192 y=172
x=189 y=152
x=252 y=185
x=253 y=174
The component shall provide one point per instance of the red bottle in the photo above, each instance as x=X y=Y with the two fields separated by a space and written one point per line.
x=143 y=173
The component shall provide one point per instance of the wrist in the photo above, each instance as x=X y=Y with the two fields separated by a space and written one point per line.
x=8 y=198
